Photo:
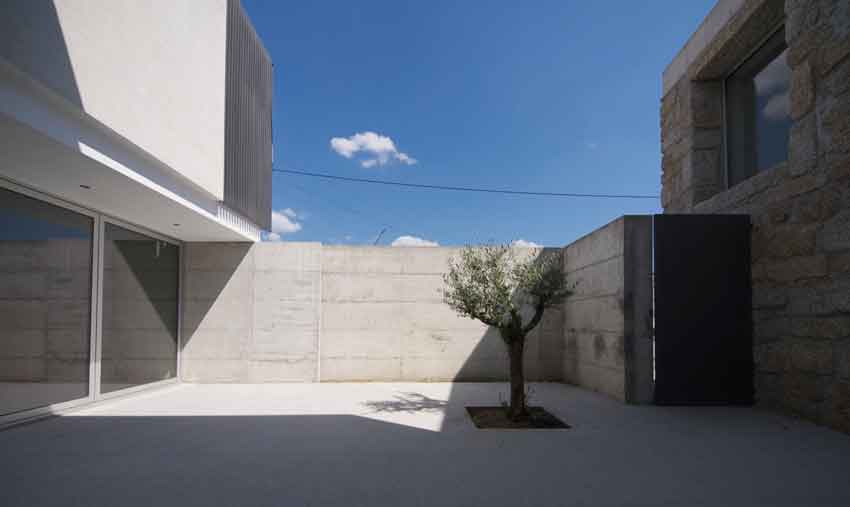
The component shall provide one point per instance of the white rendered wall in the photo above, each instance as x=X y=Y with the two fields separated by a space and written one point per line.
x=152 y=71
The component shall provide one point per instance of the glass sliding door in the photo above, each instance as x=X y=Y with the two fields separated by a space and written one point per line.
x=87 y=307
x=46 y=259
x=140 y=316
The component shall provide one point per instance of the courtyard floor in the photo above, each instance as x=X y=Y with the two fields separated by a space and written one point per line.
x=413 y=445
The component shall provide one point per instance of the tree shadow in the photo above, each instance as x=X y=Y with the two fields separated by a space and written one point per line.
x=134 y=458
x=409 y=402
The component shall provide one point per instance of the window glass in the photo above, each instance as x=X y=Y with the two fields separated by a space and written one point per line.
x=140 y=288
x=758 y=119
x=45 y=303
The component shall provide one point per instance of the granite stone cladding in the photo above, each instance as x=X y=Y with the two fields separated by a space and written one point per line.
x=800 y=209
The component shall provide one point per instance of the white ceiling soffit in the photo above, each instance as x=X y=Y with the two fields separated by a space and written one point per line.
x=37 y=161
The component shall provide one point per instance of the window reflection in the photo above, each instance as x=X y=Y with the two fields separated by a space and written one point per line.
x=773 y=112
x=140 y=279
x=758 y=119
x=45 y=303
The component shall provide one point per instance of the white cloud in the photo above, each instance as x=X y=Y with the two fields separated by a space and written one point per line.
x=521 y=243
x=775 y=77
x=379 y=150
x=285 y=221
x=345 y=147
x=284 y=224
x=773 y=83
x=592 y=146
x=778 y=107
x=412 y=241
x=405 y=159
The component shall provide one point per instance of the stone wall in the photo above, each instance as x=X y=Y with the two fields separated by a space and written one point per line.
x=272 y=312
x=800 y=209
x=607 y=321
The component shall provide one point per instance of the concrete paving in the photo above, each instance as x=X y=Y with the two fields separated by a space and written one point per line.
x=411 y=445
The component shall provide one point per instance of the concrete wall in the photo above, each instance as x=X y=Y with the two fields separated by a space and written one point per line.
x=151 y=71
x=272 y=312
x=383 y=318
x=800 y=209
x=251 y=312
x=276 y=312
x=607 y=323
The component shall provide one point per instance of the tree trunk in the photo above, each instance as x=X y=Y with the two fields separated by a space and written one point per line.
x=515 y=351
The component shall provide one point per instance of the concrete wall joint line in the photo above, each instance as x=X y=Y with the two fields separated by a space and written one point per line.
x=309 y=326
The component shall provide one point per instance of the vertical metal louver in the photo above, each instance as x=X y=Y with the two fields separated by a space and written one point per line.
x=248 y=120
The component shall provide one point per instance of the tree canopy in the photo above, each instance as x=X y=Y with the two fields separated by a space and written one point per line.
x=495 y=283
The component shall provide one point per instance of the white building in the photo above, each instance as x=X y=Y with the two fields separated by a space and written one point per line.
x=126 y=129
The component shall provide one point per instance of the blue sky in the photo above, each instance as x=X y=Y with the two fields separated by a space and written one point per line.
x=558 y=96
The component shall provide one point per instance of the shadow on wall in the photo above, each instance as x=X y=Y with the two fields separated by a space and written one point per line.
x=384 y=318
x=300 y=311
x=140 y=310
x=208 y=272
x=607 y=326
x=156 y=278
x=216 y=309
x=31 y=38
x=32 y=41
x=601 y=337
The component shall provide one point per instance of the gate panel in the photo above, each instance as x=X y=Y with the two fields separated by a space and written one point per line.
x=703 y=317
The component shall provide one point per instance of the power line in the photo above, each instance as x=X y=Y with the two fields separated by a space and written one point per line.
x=465 y=189
x=337 y=205
x=342 y=207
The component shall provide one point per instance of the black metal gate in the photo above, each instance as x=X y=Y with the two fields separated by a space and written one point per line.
x=703 y=319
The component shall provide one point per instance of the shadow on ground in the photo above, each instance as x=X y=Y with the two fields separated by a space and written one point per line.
x=186 y=446
x=406 y=402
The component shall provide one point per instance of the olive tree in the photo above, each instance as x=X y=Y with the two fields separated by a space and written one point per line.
x=507 y=290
